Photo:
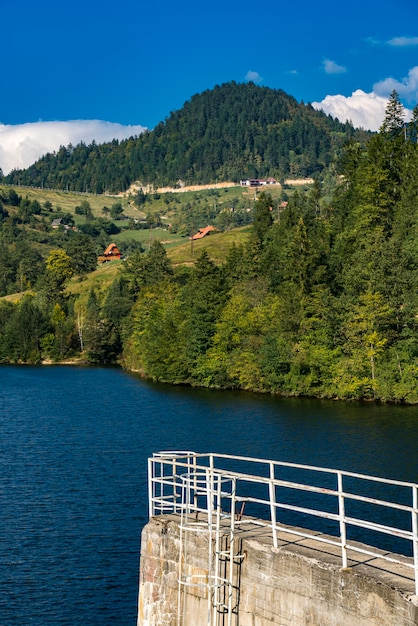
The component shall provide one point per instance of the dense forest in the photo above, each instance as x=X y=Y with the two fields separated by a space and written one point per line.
x=231 y=132
x=321 y=300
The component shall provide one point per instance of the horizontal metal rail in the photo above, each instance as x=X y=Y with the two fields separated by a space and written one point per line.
x=265 y=485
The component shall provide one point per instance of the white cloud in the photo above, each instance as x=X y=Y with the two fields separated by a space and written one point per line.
x=23 y=144
x=367 y=110
x=407 y=88
x=364 y=110
x=254 y=77
x=401 y=42
x=330 y=67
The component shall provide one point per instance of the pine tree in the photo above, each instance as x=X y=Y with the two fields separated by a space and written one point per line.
x=263 y=218
x=203 y=299
x=394 y=122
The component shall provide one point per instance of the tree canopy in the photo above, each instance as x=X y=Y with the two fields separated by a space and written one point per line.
x=231 y=132
x=320 y=300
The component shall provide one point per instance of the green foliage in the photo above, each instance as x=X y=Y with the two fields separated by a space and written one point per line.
x=323 y=302
x=84 y=209
x=82 y=252
x=263 y=218
x=140 y=270
x=156 y=346
x=157 y=265
x=394 y=122
x=118 y=302
x=56 y=344
x=20 y=267
x=101 y=339
x=234 y=359
x=116 y=211
x=231 y=132
x=59 y=266
x=320 y=300
x=203 y=299
x=58 y=271
x=140 y=198
x=22 y=331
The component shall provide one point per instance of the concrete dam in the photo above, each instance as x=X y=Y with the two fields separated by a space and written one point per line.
x=237 y=541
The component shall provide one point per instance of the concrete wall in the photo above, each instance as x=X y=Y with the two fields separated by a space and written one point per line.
x=296 y=584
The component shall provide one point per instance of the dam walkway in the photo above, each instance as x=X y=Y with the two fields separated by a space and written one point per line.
x=355 y=519
x=242 y=538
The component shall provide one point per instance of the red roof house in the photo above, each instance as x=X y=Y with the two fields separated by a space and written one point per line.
x=111 y=253
x=202 y=232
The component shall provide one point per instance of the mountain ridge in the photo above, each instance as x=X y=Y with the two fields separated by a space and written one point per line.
x=233 y=131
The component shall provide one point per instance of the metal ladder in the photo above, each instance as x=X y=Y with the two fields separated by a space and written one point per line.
x=208 y=507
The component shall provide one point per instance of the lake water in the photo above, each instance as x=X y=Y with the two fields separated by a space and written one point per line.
x=73 y=449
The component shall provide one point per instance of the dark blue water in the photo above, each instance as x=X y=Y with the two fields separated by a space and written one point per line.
x=73 y=450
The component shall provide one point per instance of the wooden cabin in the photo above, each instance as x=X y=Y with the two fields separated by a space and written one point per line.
x=111 y=253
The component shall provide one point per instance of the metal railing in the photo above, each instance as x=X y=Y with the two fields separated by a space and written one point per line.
x=345 y=509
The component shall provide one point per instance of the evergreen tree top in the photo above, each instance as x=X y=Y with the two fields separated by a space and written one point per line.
x=394 y=122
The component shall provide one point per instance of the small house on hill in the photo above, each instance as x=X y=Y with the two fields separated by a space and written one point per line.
x=257 y=182
x=111 y=253
x=202 y=232
x=58 y=223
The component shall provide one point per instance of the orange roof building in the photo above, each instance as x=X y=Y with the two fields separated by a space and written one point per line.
x=112 y=250
x=202 y=232
x=111 y=253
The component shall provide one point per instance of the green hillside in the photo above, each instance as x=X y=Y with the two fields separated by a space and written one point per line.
x=310 y=291
x=90 y=222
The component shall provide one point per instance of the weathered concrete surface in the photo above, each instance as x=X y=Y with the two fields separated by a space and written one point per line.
x=300 y=583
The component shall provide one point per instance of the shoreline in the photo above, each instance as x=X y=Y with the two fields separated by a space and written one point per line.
x=81 y=362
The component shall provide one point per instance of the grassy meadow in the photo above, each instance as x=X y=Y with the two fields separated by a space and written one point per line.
x=176 y=214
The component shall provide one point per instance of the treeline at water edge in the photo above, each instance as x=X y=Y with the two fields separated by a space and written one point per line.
x=320 y=300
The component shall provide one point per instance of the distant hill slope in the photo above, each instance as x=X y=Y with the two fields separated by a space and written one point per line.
x=227 y=133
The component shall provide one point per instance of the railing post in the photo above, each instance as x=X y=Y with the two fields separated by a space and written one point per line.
x=217 y=481
x=341 y=513
x=150 y=489
x=161 y=485
x=415 y=533
x=272 y=497
x=174 y=477
x=195 y=487
x=213 y=521
x=231 y=549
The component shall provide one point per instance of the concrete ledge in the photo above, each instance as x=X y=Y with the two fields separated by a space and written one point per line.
x=299 y=583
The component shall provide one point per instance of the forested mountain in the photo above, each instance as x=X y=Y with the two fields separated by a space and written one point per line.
x=320 y=300
x=231 y=132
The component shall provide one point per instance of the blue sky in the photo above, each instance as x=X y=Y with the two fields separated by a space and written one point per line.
x=131 y=63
